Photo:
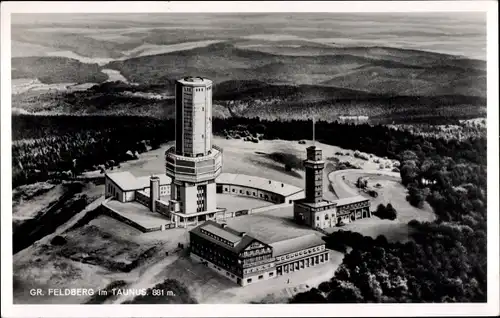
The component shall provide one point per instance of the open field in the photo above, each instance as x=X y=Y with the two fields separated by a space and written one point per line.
x=391 y=191
x=250 y=158
x=233 y=203
x=270 y=226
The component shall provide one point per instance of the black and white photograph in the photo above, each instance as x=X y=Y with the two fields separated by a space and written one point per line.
x=277 y=153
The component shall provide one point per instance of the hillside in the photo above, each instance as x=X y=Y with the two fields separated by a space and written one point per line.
x=256 y=99
x=373 y=69
x=385 y=84
x=51 y=70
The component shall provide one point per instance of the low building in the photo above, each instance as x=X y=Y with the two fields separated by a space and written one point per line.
x=258 y=188
x=245 y=259
x=352 y=208
x=122 y=186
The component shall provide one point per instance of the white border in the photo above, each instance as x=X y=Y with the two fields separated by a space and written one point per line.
x=491 y=308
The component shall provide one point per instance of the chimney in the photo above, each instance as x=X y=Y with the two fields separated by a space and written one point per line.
x=154 y=192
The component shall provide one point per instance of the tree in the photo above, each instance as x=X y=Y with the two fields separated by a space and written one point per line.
x=344 y=292
x=390 y=212
x=416 y=196
x=380 y=209
x=312 y=296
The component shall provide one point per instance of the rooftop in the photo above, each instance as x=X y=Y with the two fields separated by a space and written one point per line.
x=240 y=239
x=296 y=244
x=317 y=204
x=227 y=234
x=128 y=182
x=350 y=200
x=190 y=80
x=138 y=213
x=258 y=183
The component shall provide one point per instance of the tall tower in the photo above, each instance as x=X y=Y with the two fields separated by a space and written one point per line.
x=314 y=166
x=193 y=163
x=193 y=117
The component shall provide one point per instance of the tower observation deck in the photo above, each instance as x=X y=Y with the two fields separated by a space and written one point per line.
x=194 y=162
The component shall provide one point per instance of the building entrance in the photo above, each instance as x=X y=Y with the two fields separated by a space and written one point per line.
x=279 y=270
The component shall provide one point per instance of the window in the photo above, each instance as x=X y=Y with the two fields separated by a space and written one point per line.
x=233 y=190
x=317 y=218
x=249 y=280
x=261 y=276
x=271 y=274
x=241 y=191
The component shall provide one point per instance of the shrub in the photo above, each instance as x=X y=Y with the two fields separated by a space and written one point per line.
x=58 y=240
x=386 y=212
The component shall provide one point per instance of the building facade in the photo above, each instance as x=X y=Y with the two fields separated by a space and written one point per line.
x=194 y=162
x=258 y=188
x=246 y=260
x=124 y=186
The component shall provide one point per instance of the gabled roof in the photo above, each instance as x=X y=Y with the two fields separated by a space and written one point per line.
x=296 y=244
x=241 y=239
x=128 y=182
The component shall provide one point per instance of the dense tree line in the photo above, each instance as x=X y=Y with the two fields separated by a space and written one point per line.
x=443 y=263
x=45 y=147
x=53 y=143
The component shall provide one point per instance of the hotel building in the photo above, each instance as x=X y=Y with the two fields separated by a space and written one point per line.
x=245 y=259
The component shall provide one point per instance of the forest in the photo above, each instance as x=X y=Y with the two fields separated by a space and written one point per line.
x=44 y=144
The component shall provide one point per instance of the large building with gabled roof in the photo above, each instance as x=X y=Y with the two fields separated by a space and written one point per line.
x=245 y=259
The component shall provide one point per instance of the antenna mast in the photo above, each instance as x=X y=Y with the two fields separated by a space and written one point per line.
x=314 y=132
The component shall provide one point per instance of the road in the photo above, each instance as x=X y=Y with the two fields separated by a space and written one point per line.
x=342 y=190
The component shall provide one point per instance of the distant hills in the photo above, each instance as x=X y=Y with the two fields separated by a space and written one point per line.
x=51 y=69
x=378 y=82
x=375 y=70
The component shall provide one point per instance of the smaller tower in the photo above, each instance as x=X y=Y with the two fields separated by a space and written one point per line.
x=154 y=192
x=314 y=166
